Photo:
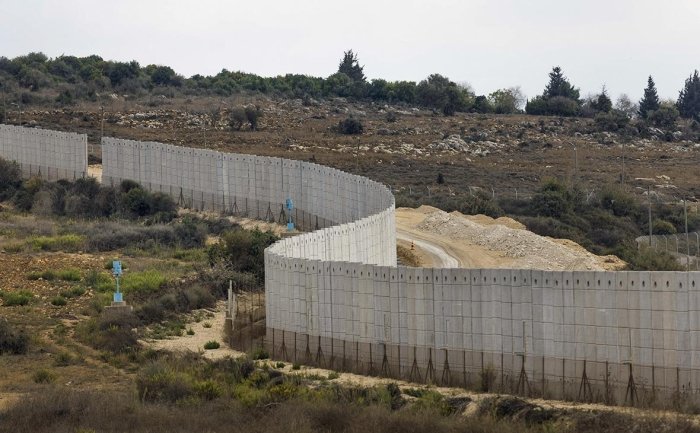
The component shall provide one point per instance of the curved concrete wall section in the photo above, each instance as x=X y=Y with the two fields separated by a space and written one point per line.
x=335 y=297
x=51 y=155
x=351 y=217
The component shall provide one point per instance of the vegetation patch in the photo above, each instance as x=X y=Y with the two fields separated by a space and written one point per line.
x=12 y=341
x=19 y=298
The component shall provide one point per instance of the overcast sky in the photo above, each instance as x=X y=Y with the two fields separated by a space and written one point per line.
x=490 y=44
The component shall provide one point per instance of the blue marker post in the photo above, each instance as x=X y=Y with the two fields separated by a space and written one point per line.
x=290 y=206
x=117 y=272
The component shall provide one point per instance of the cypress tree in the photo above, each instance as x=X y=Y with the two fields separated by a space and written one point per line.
x=559 y=86
x=350 y=66
x=650 y=101
x=689 y=98
x=602 y=103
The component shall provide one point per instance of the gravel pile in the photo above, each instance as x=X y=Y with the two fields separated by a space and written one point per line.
x=529 y=251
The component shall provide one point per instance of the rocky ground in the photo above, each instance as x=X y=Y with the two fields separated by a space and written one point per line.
x=407 y=147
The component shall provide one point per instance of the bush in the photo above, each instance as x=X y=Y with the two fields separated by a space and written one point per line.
x=59 y=301
x=260 y=353
x=148 y=281
x=113 y=334
x=661 y=227
x=12 y=299
x=242 y=251
x=12 y=341
x=350 y=126
x=181 y=300
x=253 y=114
x=555 y=106
x=44 y=376
x=664 y=117
x=10 y=178
x=612 y=121
x=160 y=382
x=210 y=345
x=237 y=118
x=65 y=243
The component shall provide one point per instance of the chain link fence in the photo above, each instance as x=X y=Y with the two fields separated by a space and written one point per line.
x=686 y=248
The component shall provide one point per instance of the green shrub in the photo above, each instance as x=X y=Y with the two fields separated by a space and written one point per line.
x=148 y=281
x=433 y=401
x=73 y=293
x=100 y=281
x=190 y=331
x=114 y=334
x=44 y=376
x=10 y=178
x=65 y=243
x=41 y=275
x=350 y=126
x=12 y=341
x=12 y=299
x=253 y=114
x=210 y=345
x=260 y=353
x=59 y=301
x=296 y=366
x=280 y=365
x=661 y=227
x=237 y=118
x=63 y=359
x=69 y=274
x=241 y=251
x=160 y=382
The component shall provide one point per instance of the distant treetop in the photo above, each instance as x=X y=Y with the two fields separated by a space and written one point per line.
x=350 y=66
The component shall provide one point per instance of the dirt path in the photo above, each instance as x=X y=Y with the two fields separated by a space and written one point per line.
x=210 y=328
x=433 y=255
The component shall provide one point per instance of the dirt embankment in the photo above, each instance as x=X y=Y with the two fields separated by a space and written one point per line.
x=483 y=242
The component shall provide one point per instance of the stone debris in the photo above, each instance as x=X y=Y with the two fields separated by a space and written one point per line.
x=455 y=144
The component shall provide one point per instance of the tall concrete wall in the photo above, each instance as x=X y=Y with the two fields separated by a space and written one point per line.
x=335 y=297
x=51 y=155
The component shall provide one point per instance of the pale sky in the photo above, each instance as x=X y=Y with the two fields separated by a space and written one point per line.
x=490 y=44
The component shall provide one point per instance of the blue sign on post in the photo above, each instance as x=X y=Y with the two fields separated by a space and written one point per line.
x=117 y=271
x=290 y=206
x=117 y=268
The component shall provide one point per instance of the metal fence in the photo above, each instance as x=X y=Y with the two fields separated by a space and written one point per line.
x=685 y=247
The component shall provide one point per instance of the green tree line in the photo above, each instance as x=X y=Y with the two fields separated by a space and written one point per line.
x=64 y=80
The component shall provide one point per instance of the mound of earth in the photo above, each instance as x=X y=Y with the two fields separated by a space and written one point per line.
x=483 y=242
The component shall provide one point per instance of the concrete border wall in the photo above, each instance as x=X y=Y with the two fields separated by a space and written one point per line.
x=335 y=297
x=52 y=155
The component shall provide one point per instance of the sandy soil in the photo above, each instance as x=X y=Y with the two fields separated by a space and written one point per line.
x=202 y=334
x=441 y=239
x=95 y=171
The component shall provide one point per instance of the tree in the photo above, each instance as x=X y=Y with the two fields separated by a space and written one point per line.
x=625 y=105
x=439 y=92
x=650 y=101
x=482 y=104
x=253 y=113
x=507 y=101
x=559 y=98
x=350 y=66
x=603 y=103
x=559 y=85
x=237 y=118
x=689 y=98
x=665 y=116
